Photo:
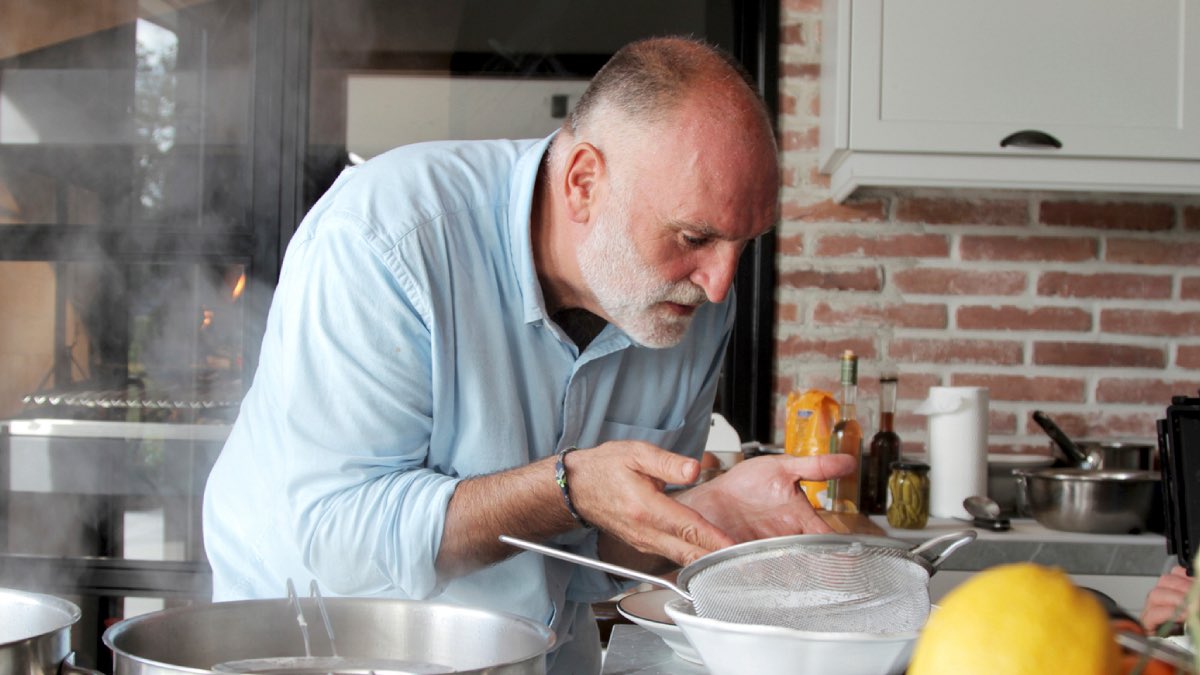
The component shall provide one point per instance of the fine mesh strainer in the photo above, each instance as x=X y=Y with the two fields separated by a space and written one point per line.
x=827 y=583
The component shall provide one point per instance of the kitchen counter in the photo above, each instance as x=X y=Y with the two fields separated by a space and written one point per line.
x=1074 y=552
x=1123 y=566
x=633 y=650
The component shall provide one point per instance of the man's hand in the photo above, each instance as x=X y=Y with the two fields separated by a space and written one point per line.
x=759 y=497
x=618 y=487
x=1165 y=602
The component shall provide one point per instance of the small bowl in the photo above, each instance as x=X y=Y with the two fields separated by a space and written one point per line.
x=1092 y=501
x=646 y=610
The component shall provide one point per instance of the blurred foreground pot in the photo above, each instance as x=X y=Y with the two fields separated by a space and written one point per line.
x=430 y=637
x=1099 y=502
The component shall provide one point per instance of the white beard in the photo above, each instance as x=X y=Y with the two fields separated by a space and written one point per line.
x=628 y=289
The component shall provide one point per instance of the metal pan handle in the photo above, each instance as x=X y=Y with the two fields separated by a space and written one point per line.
x=952 y=541
x=595 y=564
x=68 y=667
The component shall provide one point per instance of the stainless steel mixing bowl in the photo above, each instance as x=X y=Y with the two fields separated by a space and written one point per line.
x=1095 y=501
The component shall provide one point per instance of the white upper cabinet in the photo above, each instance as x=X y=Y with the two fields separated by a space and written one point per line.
x=1068 y=94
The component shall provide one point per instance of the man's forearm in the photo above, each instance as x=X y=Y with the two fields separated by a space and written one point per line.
x=524 y=502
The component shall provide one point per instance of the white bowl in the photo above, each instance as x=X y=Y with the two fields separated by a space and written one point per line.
x=646 y=610
x=743 y=649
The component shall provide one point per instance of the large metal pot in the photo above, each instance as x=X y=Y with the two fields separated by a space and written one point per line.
x=1099 y=501
x=431 y=637
x=35 y=633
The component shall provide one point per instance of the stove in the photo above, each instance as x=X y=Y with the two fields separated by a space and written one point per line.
x=107 y=512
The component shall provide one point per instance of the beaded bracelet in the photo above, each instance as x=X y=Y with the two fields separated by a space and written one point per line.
x=560 y=477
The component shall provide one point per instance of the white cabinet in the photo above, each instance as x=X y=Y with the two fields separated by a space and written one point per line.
x=1070 y=94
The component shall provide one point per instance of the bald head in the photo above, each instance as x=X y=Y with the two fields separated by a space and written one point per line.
x=646 y=81
x=676 y=90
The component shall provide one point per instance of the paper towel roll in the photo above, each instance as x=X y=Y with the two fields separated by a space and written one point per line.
x=957 y=446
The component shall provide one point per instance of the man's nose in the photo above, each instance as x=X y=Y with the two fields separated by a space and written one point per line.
x=715 y=274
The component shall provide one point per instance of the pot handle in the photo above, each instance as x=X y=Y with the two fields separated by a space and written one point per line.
x=68 y=667
x=952 y=541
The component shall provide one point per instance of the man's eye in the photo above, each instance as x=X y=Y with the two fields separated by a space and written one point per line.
x=695 y=241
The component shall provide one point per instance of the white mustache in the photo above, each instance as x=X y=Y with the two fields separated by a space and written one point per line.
x=686 y=293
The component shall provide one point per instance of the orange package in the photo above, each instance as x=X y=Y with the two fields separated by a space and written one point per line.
x=811 y=416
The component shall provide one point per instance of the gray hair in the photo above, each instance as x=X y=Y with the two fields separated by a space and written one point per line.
x=647 y=79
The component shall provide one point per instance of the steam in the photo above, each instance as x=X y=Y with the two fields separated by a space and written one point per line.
x=100 y=155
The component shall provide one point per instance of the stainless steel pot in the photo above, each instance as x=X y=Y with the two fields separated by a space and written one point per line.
x=1004 y=485
x=1118 y=454
x=1095 y=501
x=35 y=633
x=431 y=637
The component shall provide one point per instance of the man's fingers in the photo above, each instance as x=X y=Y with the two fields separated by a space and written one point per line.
x=666 y=466
x=819 y=467
x=695 y=538
x=811 y=522
x=630 y=505
x=679 y=533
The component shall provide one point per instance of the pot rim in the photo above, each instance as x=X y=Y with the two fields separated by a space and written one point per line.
x=1117 y=443
x=69 y=612
x=1093 y=475
x=114 y=636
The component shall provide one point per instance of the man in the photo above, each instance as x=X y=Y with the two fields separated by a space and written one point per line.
x=453 y=319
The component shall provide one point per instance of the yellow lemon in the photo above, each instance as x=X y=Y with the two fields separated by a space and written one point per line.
x=1016 y=619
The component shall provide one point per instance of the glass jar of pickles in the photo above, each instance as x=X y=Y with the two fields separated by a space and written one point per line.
x=908 y=495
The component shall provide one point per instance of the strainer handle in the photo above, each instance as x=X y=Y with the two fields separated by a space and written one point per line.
x=953 y=542
x=595 y=564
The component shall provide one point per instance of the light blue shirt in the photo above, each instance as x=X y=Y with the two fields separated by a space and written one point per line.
x=407 y=348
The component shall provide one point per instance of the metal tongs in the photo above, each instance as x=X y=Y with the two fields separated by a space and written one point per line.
x=1176 y=657
x=321 y=665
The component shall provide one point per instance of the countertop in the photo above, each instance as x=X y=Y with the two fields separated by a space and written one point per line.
x=635 y=650
x=1076 y=553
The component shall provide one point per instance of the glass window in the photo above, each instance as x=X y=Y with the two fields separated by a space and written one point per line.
x=125 y=148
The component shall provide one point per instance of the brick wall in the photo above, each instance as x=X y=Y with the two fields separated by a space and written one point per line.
x=1084 y=305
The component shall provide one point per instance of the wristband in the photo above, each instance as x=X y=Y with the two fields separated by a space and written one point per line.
x=560 y=477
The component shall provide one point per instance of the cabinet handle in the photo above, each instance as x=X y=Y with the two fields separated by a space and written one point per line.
x=1030 y=138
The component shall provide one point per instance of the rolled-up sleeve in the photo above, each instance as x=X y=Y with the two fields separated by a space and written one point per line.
x=367 y=514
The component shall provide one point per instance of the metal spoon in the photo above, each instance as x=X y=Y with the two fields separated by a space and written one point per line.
x=986 y=513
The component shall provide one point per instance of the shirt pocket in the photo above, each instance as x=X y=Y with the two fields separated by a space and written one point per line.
x=663 y=438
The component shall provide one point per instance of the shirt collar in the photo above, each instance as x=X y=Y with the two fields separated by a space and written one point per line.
x=520 y=203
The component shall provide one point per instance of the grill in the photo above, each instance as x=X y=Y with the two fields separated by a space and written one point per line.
x=116 y=398
x=200 y=398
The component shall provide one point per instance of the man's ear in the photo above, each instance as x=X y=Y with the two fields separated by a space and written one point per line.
x=584 y=172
